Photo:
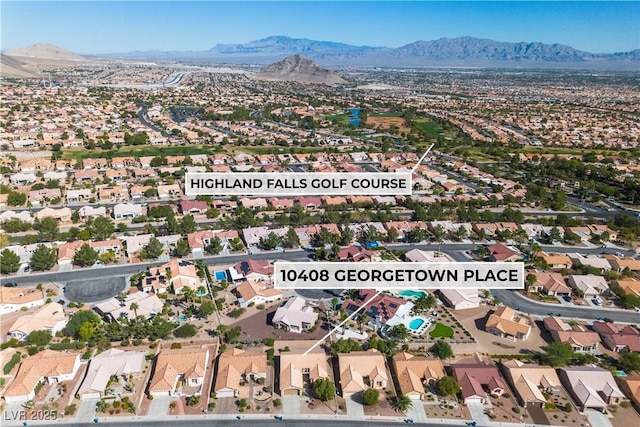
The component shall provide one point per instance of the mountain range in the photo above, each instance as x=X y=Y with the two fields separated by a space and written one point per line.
x=444 y=52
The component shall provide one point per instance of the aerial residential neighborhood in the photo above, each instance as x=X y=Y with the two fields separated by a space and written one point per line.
x=125 y=297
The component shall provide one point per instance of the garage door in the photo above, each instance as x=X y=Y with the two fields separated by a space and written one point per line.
x=291 y=392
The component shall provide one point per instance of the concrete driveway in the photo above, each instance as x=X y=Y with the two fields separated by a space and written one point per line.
x=354 y=409
x=159 y=406
x=86 y=410
x=596 y=418
x=291 y=405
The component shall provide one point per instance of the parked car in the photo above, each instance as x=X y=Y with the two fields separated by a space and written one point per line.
x=11 y=285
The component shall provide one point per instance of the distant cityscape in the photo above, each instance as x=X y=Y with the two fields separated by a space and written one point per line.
x=123 y=299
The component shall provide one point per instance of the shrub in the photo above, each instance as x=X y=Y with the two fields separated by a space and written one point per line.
x=70 y=410
x=176 y=345
x=213 y=395
x=277 y=403
x=117 y=404
x=193 y=400
x=11 y=363
x=268 y=341
x=137 y=342
x=124 y=343
x=211 y=406
x=260 y=306
x=568 y=407
x=625 y=404
x=185 y=331
x=370 y=396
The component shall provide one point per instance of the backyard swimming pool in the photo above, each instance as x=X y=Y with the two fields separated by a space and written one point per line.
x=220 y=275
x=411 y=294
x=416 y=323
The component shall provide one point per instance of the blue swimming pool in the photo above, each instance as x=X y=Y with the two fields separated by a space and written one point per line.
x=182 y=318
x=220 y=275
x=416 y=323
x=412 y=294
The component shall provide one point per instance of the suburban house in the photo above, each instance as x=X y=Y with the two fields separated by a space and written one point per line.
x=180 y=371
x=48 y=366
x=296 y=366
x=385 y=309
x=622 y=264
x=591 y=387
x=256 y=293
x=253 y=270
x=177 y=274
x=631 y=385
x=551 y=284
x=193 y=207
x=416 y=373
x=502 y=252
x=630 y=286
x=617 y=337
x=236 y=367
x=146 y=305
x=530 y=381
x=591 y=286
x=594 y=261
x=295 y=316
x=555 y=261
x=110 y=363
x=14 y=299
x=504 y=322
x=355 y=253
x=461 y=298
x=360 y=370
x=578 y=337
x=50 y=317
x=472 y=377
x=418 y=255
x=127 y=211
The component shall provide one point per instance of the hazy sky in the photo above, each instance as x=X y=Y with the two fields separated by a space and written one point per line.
x=103 y=27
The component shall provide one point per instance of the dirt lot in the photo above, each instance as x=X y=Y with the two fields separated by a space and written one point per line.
x=386 y=122
x=474 y=319
x=459 y=412
x=257 y=326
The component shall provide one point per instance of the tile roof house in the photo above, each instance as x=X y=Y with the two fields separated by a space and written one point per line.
x=555 y=261
x=591 y=261
x=235 y=368
x=460 y=299
x=14 y=299
x=501 y=252
x=473 y=376
x=109 y=363
x=177 y=274
x=549 y=283
x=415 y=373
x=592 y=286
x=177 y=370
x=578 y=337
x=193 y=207
x=295 y=316
x=632 y=387
x=617 y=337
x=504 y=322
x=355 y=253
x=127 y=211
x=625 y=263
x=360 y=370
x=591 y=387
x=49 y=366
x=630 y=286
x=530 y=381
x=383 y=309
x=294 y=366
x=50 y=317
x=253 y=270
x=114 y=310
x=256 y=292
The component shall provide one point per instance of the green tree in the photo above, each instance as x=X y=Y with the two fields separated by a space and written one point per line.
x=215 y=246
x=447 y=386
x=48 y=229
x=185 y=331
x=630 y=361
x=153 y=249
x=442 y=349
x=43 y=258
x=399 y=332
x=101 y=228
x=402 y=403
x=86 y=331
x=270 y=242
x=108 y=257
x=291 y=239
x=78 y=319
x=370 y=396
x=188 y=224
x=85 y=256
x=346 y=236
x=39 y=338
x=15 y=198
x=134 y=306
x=182 y=248
x=206 y=308
x=324 y=389
x=559 y=354
x=212 y=213
x=9 y=261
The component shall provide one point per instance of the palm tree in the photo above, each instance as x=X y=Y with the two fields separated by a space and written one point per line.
x=361 y=321
x=201 y=291
x=188 y=294
x=402 y=403
x=134 y=306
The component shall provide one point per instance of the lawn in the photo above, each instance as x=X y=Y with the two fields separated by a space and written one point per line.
x=440 y=331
